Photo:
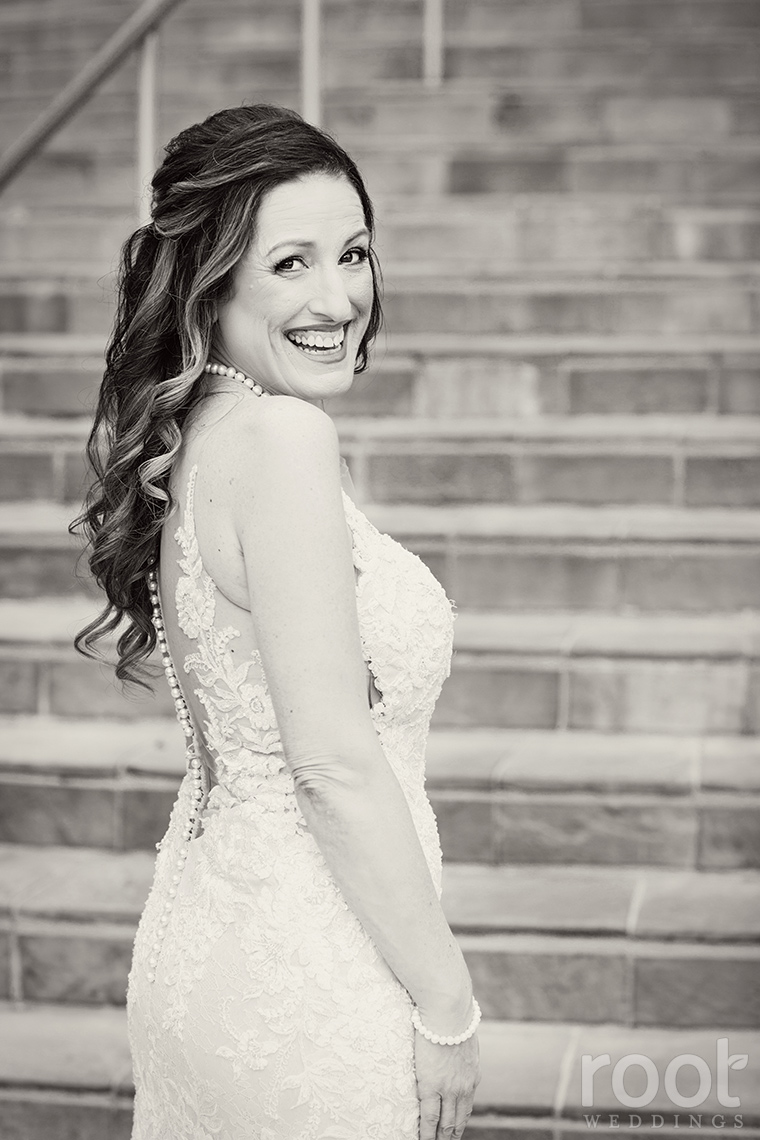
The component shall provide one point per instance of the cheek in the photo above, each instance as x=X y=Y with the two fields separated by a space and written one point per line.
x=255 y=314
x=362 y=293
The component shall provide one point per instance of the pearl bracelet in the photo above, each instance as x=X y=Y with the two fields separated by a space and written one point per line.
x=438 y=1038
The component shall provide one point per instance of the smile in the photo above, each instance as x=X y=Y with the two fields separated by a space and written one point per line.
x=317 y=342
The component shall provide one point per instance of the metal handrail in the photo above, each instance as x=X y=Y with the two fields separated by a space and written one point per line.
x=147 y=123
x=432 y=43
x=311 y=82
x=130 y=35
x=140 y=30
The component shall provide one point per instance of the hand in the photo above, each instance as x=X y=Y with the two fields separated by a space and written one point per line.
x=447 y=1076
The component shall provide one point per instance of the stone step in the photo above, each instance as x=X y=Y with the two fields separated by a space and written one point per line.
x=574 y=232
x=552 y=116
x=66 y=1073
x=543 y=943
x=73 y=34
x=552 y=797
x=520 y=307
x=699 y=461
x=242 y=60
x=412 y=165
x=459 y=112
x=264 y=29
x=500 y=797
x=453 y=375
x=664 y=673
x=675 y=169
x=539 y=558
x=556 y=116
x=665 y=18
x=85 y=25
x=628 y=559
x=523 y=230
x=612 y=461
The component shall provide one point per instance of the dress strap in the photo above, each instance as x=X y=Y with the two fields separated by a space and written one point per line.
x=194 y=593
x=189 y=516
x=361 y=531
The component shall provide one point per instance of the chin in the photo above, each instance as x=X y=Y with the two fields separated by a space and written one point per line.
x=311 y=387
x=336 y=386
x=344 y=383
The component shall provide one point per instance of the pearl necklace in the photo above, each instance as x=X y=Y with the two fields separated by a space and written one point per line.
x=199 y=782
x=222 y=370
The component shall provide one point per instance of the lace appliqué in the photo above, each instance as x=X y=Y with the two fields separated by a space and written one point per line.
x=405 y=621
x=241 y=730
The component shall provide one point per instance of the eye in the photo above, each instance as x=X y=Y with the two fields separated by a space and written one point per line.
x=355 y=256
x=288 y=264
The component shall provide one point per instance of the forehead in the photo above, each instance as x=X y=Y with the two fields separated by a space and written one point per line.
x=299 y=208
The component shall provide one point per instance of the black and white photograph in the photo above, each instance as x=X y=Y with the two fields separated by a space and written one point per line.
x=379 y=569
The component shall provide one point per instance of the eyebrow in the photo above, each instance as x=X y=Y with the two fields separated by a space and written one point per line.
x=301 y=243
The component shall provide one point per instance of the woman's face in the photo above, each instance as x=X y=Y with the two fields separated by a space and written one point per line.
x=302 y=294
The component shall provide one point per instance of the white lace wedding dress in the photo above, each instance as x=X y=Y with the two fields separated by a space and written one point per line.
x=259 y=1008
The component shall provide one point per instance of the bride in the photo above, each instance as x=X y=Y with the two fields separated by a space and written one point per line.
x=294 y=977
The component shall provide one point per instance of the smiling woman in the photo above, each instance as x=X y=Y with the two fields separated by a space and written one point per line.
x=294 y=977
x=304 y=288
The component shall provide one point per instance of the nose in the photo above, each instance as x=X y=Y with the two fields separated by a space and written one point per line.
x=330 y=300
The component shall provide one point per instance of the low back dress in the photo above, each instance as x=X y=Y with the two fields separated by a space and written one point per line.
x=259 y=1008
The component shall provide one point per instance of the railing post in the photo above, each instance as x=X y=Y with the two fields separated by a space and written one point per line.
x=147 y=123
x=432 y=43
x=79 y=89
x=311 y=82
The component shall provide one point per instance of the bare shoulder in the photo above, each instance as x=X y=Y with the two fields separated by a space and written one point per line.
x=278 y=423
x=280 y=447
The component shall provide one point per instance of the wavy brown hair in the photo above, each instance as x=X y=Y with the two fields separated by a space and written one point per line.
x=174 y=271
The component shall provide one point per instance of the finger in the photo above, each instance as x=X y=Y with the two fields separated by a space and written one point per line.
x=447 y=1119
x=430 y=1111
x=463 y=1113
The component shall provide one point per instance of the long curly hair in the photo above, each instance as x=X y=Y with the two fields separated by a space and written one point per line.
x=173 y=273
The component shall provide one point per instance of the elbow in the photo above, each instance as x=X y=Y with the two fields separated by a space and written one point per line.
x=323 y=780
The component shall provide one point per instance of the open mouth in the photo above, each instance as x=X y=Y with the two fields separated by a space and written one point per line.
x=318 y=342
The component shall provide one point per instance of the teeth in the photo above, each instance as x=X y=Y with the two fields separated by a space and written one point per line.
x=317 y=341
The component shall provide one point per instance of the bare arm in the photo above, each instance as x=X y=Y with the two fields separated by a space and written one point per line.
x=289 y=515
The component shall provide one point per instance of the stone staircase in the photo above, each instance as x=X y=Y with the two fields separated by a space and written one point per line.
x=563 y=420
